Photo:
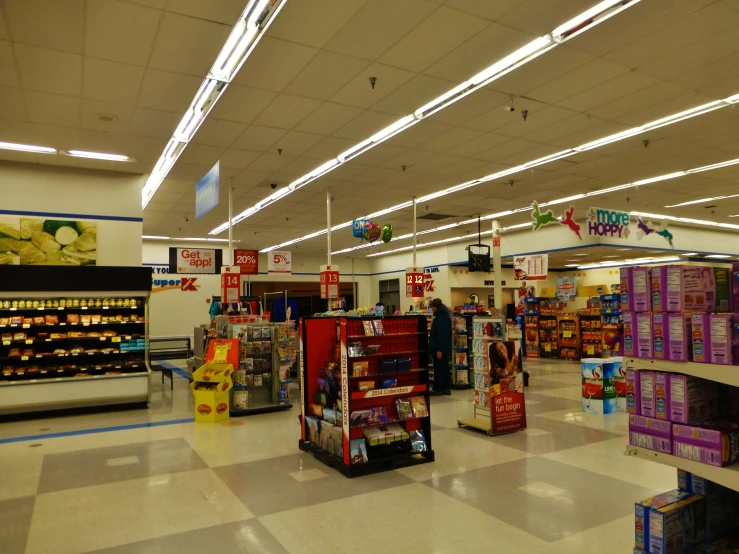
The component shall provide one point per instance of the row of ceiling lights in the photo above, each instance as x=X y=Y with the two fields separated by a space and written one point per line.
x=74 y=153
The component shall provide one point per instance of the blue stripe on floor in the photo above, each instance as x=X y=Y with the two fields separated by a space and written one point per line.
x=97 y=430
x=178 y=370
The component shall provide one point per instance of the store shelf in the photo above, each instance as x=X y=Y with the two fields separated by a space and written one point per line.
x=726 y=476
x=386 y=335
x=385 y=375
x=52 y=356
x=65 y=324
x=70 y=308
x=726 y=374
x=51 y=379
x=35 y=340
x=407 y=353
x=394 y=391
x=388 y=422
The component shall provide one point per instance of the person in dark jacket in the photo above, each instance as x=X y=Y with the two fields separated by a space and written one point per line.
x=440 y=347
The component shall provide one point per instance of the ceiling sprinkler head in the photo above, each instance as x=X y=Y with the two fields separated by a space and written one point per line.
x=372 y=81
x=525 y=114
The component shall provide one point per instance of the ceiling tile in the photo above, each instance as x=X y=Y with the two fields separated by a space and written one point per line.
x=17 y=131
x=242 y=104
x=3 y=27
x=120 y=31
x=470 y=106
x=111 y=81
x=325 y=74
x=53 y=108
x=287 y=111
x=538 y=117
x=172 y=92
x=92 y=108
x=49 y=70
x=361 y=35
x=299 y=167
x=221 y=11
x=452 y=138
x=589 y=75
x=360 y=92
x=154 y=123
x=259 y=139
x=8 y=72
x=443 y=31
x=482 y=143
x=295 y=143
x=622 y=86
x=420 y=133
x=328 y=148
x=484 y=8
x=270 y=162
x=273 y=64
x=238 y=159
x=649 y=96
x=55 y=136
x=217 y=132
x=313 y=23
x=200 y=154
x=175 y=49
x=538 y=17
x=412 y=95
x=47 y=23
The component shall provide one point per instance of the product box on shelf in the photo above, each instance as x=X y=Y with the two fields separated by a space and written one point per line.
x=659 y=286
x=644 y=340
x=633 y=392
x=661 y=336
x=598 y=386
x=701 y=334
x=692 y=399
x=629 y=334
x=674 y=288
x=650 y=433
x=721 y=339
x=679 y=337
x=647 y=405
x=211 y=386
x=627 y=288
x=662 y=396
x=669 y=522
x=721 y=509
x=619 y=382
x=642 y=292
x=714 y=444
x=699 y=289
x=722 y=278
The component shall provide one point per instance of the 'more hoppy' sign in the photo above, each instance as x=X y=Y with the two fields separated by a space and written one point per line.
x=608 y=223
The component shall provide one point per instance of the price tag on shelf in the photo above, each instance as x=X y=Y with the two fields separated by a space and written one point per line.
x=83 y=308
x=103 y=338
x=128 y=337
x=13 y=309
x=106 y=307
x=24 y=358
x=29 y=341
x=91 y=353
x=115 y=339
x=60 y=308
x=567 y=334
x=26 y=325
x=64 y=323
x=6 y=342
x=73 y=354
x=48 y=340
x=40 y=309
x=590 y=349
x=547 y=347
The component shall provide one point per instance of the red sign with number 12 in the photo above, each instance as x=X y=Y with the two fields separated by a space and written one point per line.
x=414 y=282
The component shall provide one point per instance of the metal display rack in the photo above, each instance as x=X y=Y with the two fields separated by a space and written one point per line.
x=344 y=364
x=485 y=330
x=73 y=337
x=462 y=337
x=591 y=338
x=531 y=327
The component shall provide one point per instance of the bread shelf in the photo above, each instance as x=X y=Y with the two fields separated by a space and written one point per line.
x=726 y=374
x=726 y=476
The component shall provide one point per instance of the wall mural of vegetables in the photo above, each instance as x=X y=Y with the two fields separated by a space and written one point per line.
x=35 y=241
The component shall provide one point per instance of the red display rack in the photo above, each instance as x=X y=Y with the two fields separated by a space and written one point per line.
x=339 y=347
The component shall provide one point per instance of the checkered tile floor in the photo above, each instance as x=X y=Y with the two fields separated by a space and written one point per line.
x=561 y=486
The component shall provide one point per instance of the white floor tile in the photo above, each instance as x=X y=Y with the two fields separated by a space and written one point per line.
x=542 y=490
x=308 y=474
x=123 y=461
x=614 y=423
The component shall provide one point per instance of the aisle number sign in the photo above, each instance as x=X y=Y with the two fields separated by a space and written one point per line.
x=230 y=284
x=414 y=282
x=329 y=281
x=247 y=260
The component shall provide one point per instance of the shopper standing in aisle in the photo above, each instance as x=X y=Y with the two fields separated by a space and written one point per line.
x=440 y=347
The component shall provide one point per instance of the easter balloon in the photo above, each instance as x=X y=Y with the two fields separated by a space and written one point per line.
x=372 y=231
x=387 y=233
x=358 y=226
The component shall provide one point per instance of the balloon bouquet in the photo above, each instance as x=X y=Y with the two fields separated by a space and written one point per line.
x=367 y=230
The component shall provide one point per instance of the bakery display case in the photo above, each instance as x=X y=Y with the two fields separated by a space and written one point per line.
x=73 y=337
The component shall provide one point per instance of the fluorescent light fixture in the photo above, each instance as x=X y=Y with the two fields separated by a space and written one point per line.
x=702 y=200
x=572 y=265
x=608 y=140
x=155 y=237
x=582 y=254
x=714 y=166
x=660 y=178
x=392 y=129
x=188 y=239
x=718 y=256
x=434 y=105
x=27 y=148
x=99 y=156
x=251 y=26
x=590 y=18
x=631 y=262
x=550 y=158
x=732 y=99
x=563 y=200
x=692 y=112
x=520 y=55
x=689 y=254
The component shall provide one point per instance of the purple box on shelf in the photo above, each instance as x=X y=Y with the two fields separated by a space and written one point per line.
x=647 y=406
x=650 y=426
x=627 y=288
x=642 y=282
x=735 y=339
x=679 y=337
x=629 y=334
x=662 y=396
x=659 y=285
x=661 y=337
x=701 y=338
x=644 y=338
x=721 y=338
x=692 y=399
x=674 y=288
x=734 y=276
x=633 y=392
x=699 y=289
x=716 y=444
x=650 y=442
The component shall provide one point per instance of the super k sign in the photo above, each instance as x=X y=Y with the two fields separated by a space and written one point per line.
x=608 y=223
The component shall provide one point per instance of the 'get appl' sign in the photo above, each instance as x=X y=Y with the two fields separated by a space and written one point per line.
x=608 y=223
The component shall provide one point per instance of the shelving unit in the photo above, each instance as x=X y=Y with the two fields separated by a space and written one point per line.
x=568 y=336
x=611 y=325
x=591 y=338
x=462 y=336
x=531 y=327
x=485 y=330
x=548 y=343
x=262 y=379
x=341 y=380
x=73 y=337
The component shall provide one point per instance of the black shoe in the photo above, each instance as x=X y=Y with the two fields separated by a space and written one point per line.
x=447 y=392
x=435 y=393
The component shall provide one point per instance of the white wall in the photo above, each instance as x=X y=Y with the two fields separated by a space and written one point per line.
x=61 y=192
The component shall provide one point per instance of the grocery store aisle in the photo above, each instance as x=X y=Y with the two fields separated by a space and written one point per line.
x=563 y=485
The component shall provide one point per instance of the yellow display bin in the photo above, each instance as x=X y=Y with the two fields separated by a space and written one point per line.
x=212 y=405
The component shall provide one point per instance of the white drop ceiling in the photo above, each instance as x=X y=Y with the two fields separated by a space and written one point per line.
x=305 y=91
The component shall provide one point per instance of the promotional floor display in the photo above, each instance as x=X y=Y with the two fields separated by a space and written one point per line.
x=531 y=327
x=603 y=385
x=73 y=337
x=498 y=379
x=266 y=353
x=683 y=404
x=611 y=325
x=568 y=336
x=365 y=384
x=462 y=351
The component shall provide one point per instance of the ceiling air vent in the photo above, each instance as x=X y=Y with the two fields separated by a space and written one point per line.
x=435 y=217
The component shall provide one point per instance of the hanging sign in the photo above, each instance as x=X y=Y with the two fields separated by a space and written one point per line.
x=531 y=268
x=247 y=260
x=329 y=281
x=644 y=229
x=569 y=219
x=608 y=223
x=541 y=219
x=194 y=260
x=279 y=261
x=414 y=282
x=565 y=288
x=230 y=283
x=507 y=405
x=496 y=241
x=206 y=191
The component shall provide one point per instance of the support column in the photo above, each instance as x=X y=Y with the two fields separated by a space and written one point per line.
x=230 y=260
x=497 y=267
